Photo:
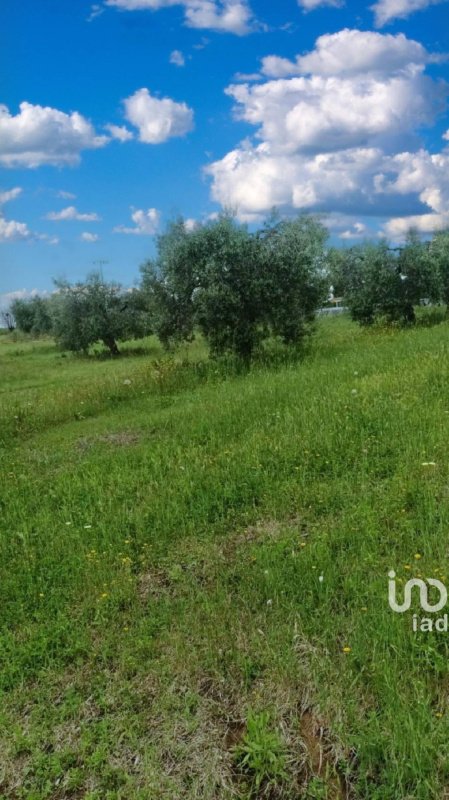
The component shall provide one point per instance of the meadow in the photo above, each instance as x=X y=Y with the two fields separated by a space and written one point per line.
x=193 y=571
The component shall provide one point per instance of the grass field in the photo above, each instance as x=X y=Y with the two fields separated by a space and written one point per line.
x=193 y=573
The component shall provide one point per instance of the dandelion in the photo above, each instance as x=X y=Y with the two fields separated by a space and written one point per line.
x=41 y=594
x=103 y=595
x=418 y=556
x=364 y=608
x=407 y=566
x=303 y=544
x=438 y=714
x=346 y=649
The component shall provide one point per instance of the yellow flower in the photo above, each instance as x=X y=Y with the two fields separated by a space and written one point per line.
x=103 y=595
x=418 y=556
x=346 y=649
x=438 y=714
x=407 y=566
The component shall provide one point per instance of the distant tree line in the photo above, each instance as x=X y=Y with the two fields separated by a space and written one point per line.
x=239 y=288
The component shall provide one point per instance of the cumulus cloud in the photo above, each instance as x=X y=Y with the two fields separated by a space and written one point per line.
x=358 y=231
x=397 y=227
x=225 y=16
x=119 y=132
x=42 y=135
x=351 y=52
x=339 y=137
x=157 y=120
x=387 y=10
x=71 y=213
x=89 y=237
x=146 y=223
x=12 y=231
x=177 y=58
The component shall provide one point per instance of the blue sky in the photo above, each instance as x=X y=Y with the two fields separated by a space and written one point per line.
x=118 y=115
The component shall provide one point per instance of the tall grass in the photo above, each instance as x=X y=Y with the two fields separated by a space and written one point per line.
x=185 y=549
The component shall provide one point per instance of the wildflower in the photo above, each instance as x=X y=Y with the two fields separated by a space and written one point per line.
x=269 y=602
x=68 y=523
x=303 y=544
x=364 y=608
x=321 y=578
x=438 y=714
x=407 y=566
x=103 y=595
x=418 y=556
x=41 y=594
x=428 y=464
x=353 y=392
x=346 y=649
x=127 y=382
x=87 y=526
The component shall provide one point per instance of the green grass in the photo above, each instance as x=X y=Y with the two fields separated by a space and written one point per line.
x=165 y=523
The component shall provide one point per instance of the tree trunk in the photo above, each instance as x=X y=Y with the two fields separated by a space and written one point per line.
x=111 y=344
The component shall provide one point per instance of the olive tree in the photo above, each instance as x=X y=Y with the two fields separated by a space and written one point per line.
x=97 y=311
x=237 y=287
x=32 y=315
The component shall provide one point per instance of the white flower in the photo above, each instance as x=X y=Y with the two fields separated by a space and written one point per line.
x=127 y=382
x=321 y=578
x=269 y=602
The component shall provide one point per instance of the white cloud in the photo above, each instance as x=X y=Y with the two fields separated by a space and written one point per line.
x=95 y=11
x=177 y=58
x=358 y=231
x=311 y=5
x=247 y=76
x=66 y=195
x=397 y=227
x=190 y=224
x=120 y=132
x=226 y=16
x=446 y=135
x=42 y=135
x=157 y=120
x=20 y=294
x=351 y=52
x=71 y=213
x=89 y=237
x=146 y=223
x=9 y=194
x=387 y=10
x=338 y=138
x=12 y=231
x=326 y=113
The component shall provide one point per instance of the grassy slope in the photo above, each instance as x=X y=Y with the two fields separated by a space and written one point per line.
x=162 y=544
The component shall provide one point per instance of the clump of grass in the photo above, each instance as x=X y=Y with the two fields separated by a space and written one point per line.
x=261 y=753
